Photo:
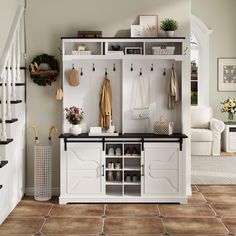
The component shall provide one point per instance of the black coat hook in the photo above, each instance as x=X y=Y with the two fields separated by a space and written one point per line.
x=93 y=67
x=164 y=72
x=114 y=67
x=73 y=66
x=81 y=72
x=152 y=67
x=131 y=67
x=105 y=71
x=140 y=72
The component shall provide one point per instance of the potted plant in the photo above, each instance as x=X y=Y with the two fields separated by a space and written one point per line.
x=75 y=116
x=169 y=25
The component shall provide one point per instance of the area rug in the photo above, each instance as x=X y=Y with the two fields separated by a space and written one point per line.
x=213 y=170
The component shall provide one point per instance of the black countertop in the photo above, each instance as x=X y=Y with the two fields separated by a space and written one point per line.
x=126 y=135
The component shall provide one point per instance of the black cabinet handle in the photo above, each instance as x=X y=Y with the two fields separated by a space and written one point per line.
x=142 y=170
x=103 y=169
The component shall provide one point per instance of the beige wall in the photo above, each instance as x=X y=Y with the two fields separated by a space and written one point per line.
x=7 y=13
x=48 y=20
x=219 y=16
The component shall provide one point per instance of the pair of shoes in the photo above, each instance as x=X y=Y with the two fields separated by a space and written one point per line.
x=113 y=152
x=132 y=152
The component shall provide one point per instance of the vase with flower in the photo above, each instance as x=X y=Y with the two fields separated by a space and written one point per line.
x=75 y=116
x=229 y=106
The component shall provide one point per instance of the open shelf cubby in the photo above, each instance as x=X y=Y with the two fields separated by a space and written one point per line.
x=114 y=190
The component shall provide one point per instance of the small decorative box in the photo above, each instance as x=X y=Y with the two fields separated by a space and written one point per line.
x=163 y=126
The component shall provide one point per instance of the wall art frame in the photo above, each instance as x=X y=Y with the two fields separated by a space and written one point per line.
x=150 y=25
x=226 y=74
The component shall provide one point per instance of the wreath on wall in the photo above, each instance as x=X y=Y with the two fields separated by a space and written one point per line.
x=44 y=76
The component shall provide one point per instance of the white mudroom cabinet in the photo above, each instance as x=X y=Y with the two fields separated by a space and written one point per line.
x=134 y=164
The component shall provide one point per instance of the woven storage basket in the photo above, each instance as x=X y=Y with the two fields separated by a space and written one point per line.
x=163 y=126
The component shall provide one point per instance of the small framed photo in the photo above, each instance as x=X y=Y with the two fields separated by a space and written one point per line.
x=150 y=25
x=226 y=74
x=136 y=31
x=133 y=50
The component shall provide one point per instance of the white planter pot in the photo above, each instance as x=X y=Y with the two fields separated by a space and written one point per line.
x=170 y=33
x=75 y=129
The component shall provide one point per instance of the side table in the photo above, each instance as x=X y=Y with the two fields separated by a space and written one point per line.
x=229 y=137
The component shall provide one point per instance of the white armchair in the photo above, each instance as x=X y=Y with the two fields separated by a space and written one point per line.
x=205 y=132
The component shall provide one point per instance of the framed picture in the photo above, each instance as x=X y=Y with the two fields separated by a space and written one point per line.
x=136 y=31
x=149 y=23
x=133 y=50
x=226 y=74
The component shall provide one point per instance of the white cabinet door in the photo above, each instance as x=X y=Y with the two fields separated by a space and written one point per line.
x=161 y=168
x=85 y=168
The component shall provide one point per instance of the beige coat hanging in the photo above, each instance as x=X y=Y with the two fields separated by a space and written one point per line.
x=105 y=104
x=73 y=77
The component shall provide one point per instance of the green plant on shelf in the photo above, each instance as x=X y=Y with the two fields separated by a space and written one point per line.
x=169 y=24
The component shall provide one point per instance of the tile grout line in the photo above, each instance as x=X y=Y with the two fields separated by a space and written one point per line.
x=219 y=218
x=210 y=205
x=162 y=219
x=103 y=219
x=45 y=219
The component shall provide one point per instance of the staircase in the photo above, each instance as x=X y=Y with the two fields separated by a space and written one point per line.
x=12 y=118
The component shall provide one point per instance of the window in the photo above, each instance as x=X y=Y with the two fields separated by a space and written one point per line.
x=194 y=70
x=199 y=62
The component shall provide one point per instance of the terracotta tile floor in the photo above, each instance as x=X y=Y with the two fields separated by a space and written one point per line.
x=211 y=210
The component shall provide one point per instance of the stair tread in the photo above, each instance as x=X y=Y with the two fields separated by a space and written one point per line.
x=3 y=163
x=17 y=84
x=21 y=68
x=9 y=140
x=10 y=121
x=14 y=101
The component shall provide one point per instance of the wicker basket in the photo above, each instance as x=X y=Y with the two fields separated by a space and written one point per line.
x=81 y=53
x=163 y=50
x=163 y=126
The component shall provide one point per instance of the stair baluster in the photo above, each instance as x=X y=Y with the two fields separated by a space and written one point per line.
x=14 y=71
x=18 y=54
x=3 y=105
x=9 y=78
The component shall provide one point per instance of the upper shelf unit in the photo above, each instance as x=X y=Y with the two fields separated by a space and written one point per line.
x=123 y=48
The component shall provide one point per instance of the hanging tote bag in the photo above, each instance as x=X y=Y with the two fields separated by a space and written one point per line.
x=141 y=104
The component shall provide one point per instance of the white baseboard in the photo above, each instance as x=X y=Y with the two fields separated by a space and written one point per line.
x=189 y=190
x=29 y=191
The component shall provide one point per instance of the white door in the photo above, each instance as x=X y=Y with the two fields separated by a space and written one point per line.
x=85 y=168
x=161 y=168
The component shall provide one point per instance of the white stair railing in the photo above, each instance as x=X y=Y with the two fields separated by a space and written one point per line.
x=10 y=69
